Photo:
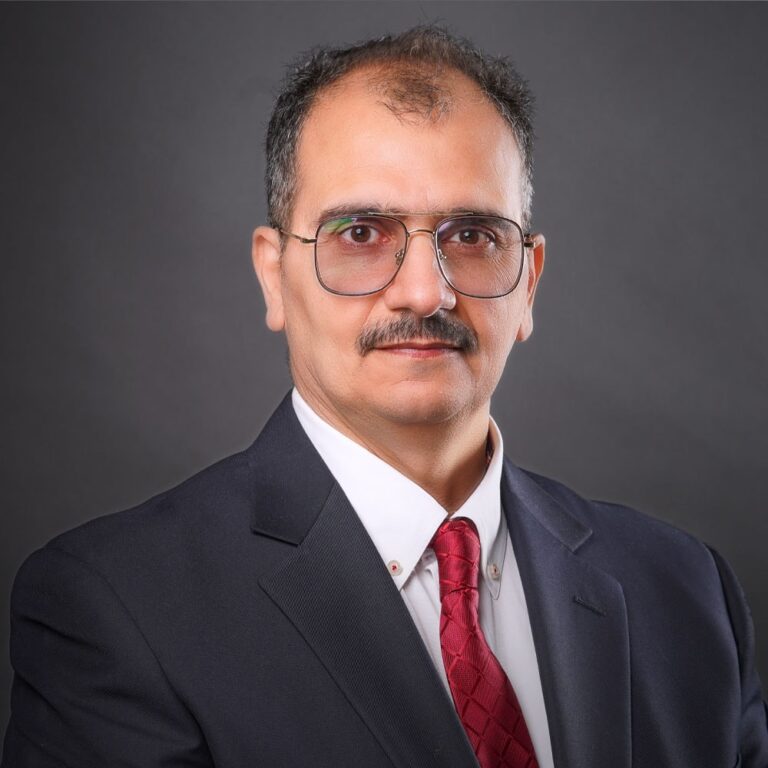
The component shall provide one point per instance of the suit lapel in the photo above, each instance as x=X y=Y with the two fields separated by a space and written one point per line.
x=338 y=594
x=336 y=591
x=579 y=623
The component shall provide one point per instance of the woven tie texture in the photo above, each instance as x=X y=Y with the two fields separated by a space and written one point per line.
x=482 y=693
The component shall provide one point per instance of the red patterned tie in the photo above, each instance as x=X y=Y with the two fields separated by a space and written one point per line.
x=481 y=691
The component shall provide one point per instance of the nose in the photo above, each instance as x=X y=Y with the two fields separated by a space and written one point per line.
x=419 y=285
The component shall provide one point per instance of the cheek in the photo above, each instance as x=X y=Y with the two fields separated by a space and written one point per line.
x=500 y=328
x=321 y=326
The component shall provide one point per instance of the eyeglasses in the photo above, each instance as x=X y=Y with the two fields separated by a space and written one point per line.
x=361 y=253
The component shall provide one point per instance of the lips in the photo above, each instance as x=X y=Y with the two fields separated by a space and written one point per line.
x=418 y=345
x=419 y=348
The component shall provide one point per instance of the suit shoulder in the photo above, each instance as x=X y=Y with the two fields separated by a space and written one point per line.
x=625 y=529
x=217 y=497
x=647 y=556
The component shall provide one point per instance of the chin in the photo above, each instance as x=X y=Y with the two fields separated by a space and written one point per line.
x=422 y=408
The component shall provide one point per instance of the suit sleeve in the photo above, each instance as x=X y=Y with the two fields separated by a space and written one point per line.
x=753 y=738
x=88 y=692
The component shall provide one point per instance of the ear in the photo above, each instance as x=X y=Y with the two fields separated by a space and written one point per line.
x=534 y=266
x=266 y=253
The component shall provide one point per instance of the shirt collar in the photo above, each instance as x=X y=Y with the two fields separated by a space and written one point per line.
x=400 y=516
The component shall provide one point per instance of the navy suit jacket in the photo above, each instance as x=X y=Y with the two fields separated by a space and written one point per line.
x=246 y=619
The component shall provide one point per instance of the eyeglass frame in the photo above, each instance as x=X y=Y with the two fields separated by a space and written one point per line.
x=526 y=242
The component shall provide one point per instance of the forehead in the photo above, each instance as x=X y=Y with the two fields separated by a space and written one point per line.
x=441 y=150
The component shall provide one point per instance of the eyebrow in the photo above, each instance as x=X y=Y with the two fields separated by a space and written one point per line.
x=356 y=208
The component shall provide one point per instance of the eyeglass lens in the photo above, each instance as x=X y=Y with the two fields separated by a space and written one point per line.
x=478 y=255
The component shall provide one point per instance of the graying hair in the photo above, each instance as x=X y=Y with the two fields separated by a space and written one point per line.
x=409 y=70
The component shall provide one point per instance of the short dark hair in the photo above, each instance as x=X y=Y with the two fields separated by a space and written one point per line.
x=410 y=66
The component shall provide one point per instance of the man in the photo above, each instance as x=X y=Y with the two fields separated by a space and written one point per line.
x=371 y=583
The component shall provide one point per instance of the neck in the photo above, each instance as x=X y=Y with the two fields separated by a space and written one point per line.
x=447 y=459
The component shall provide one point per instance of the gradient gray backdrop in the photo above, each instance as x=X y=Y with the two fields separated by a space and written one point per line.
x=133 y=345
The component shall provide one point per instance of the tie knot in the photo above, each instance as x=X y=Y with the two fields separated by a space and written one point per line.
x=457 y=548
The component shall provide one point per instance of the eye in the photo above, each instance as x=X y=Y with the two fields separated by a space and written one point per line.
x=360 y=233
x=474 y=236
x=366 y=232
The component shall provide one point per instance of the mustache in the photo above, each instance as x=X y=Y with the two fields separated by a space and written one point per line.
x=438 y=327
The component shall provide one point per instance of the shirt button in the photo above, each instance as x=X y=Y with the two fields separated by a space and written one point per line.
x=494 y=572
x=394 y=567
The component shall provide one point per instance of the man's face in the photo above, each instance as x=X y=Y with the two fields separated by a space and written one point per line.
x=355 y=154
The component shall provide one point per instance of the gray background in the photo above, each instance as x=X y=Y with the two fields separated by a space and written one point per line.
x=133 y=346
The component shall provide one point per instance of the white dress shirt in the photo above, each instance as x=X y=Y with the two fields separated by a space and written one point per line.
x=401 y=518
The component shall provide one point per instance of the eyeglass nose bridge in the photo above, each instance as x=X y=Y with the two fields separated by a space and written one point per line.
x=400 y=255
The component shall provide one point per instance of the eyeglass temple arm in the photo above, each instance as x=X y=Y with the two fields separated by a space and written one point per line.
x=306 y=240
